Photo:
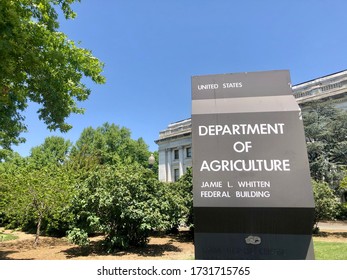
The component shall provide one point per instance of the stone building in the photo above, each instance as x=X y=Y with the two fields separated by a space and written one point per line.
x=331 y=87
x=175 y=150
x=175 y=142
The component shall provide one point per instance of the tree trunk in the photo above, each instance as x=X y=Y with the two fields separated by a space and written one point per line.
x=38 y=227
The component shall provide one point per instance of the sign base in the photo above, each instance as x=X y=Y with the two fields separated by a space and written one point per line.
x=249 y=246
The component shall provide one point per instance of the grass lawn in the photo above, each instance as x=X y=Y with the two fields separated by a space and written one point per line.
x=330 y=250
x=6 y=237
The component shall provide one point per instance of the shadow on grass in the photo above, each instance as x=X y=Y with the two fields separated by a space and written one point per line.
x=331 y=234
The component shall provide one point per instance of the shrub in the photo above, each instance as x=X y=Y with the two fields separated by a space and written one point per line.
x=342 y=211
x=185 y=184
x=78 y=236
x=326 y=203
x=124 y=202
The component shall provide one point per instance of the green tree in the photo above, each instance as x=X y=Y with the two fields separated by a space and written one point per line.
x=326 y=130
x=40 y=64
x=36 y=190
x=37 y=196
x=111 y=144
x=8 y=167
x=54 y=150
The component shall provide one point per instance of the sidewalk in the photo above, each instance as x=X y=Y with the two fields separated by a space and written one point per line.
x=338 y=226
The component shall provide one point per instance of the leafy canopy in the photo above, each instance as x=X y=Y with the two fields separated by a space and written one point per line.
x=110 y=144
x=40 y=64
x=36 y=197
x=55 y=150
x=326 y=131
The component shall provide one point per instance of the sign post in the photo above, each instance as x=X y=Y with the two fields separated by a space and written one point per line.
x=252 y=193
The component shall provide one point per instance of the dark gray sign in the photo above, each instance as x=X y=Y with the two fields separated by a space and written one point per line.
x=250 y=169
x=252 y=84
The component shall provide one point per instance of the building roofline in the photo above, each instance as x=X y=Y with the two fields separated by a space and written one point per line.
x=187 y=133
x=179 y=121
x=325 y=76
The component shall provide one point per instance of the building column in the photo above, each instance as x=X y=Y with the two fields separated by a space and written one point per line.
x=168 y=165
x=181 y=160
x=162 y=165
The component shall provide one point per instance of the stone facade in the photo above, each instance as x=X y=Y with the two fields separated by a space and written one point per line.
x=175 y=142
x=331 y=87
x=175 y=150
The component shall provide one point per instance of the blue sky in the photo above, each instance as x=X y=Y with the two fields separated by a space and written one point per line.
x=151 y=48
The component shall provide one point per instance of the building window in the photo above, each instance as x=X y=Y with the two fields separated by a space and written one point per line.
x=189 y=152
x=176 y=154
x=176 y=175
